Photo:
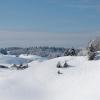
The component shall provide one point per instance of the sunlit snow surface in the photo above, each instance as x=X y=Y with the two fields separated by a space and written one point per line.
x=80 y=81
x=32 y=57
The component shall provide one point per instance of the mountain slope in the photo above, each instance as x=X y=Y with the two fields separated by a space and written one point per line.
x=41 y=81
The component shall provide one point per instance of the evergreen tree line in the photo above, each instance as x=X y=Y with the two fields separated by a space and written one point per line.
x=49 y=52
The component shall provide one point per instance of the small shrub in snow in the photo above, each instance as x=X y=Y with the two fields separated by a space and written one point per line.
x=2 y=66
x=59 y=65
x=23 y=66
x=59 y=72
x=19 y=67
x=14 y=66
x=65 y=64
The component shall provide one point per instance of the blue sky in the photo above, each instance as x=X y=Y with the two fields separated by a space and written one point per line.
x=61 y=22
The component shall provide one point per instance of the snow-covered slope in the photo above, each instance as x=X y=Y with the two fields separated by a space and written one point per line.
x=80 y=81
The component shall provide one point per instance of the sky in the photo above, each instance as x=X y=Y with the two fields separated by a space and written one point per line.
x=61 y=23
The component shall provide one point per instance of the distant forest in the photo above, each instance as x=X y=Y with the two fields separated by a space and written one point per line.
x=50 y=52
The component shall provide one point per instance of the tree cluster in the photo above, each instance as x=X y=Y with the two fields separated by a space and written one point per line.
x=65 y=65
x=49 y=52
x=19 y=67
x=70 y=52
x=3 y=51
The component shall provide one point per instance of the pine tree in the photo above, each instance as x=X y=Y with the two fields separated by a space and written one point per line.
x=91 y=53
x=65 y=64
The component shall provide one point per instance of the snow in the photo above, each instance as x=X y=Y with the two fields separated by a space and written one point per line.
x=40 y=81
x=8 y=60
x=32 y=57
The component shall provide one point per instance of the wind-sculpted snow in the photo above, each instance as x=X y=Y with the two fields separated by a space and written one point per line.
x=40 y=81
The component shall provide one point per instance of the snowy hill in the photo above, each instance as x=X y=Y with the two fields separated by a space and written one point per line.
x=41 y=81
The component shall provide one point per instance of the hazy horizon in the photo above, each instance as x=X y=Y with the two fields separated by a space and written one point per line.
x=26 y=39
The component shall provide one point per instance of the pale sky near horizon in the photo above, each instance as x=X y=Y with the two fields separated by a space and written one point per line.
x=26 y=39
x=48 y=22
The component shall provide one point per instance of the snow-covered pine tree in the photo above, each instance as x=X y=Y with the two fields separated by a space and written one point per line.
x=65 y=64
x=91 y=52
x=14 y=66
x=70 y=52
